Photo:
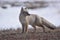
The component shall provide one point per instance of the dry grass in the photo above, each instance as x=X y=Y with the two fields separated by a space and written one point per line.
x=39 y=35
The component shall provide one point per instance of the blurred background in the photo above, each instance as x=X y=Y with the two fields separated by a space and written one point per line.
x=10 y=10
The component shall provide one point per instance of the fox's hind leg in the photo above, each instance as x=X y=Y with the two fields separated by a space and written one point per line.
x=43 y=28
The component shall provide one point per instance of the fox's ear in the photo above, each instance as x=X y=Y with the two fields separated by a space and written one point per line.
x=21 y=8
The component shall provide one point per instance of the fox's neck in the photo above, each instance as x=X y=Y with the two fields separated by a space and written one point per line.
x=22 y=15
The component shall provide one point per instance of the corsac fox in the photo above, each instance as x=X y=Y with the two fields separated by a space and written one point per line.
x=34 y=20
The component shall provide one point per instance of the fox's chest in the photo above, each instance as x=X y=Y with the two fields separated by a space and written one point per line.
x=22 y=19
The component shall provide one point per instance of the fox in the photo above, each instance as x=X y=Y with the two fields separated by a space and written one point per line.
x=34 y=20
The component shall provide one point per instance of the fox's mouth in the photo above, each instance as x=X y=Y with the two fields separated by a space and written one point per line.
x=29 y=14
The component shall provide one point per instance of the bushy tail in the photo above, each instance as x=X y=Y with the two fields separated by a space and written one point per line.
x=48 y=24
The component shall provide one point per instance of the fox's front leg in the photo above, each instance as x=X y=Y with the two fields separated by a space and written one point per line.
x=24 y=28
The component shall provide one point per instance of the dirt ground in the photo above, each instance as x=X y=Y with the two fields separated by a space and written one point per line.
x=17 y=35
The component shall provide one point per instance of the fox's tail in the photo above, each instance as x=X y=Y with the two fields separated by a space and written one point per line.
x=48 y=24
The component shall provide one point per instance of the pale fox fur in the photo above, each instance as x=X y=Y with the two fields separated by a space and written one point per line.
x=33 y=20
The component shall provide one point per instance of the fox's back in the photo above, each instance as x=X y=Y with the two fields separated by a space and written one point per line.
x=32 y=19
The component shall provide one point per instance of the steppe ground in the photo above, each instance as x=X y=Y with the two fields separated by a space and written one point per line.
x=12 y=34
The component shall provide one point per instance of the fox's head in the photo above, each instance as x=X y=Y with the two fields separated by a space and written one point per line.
x=24 y=11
